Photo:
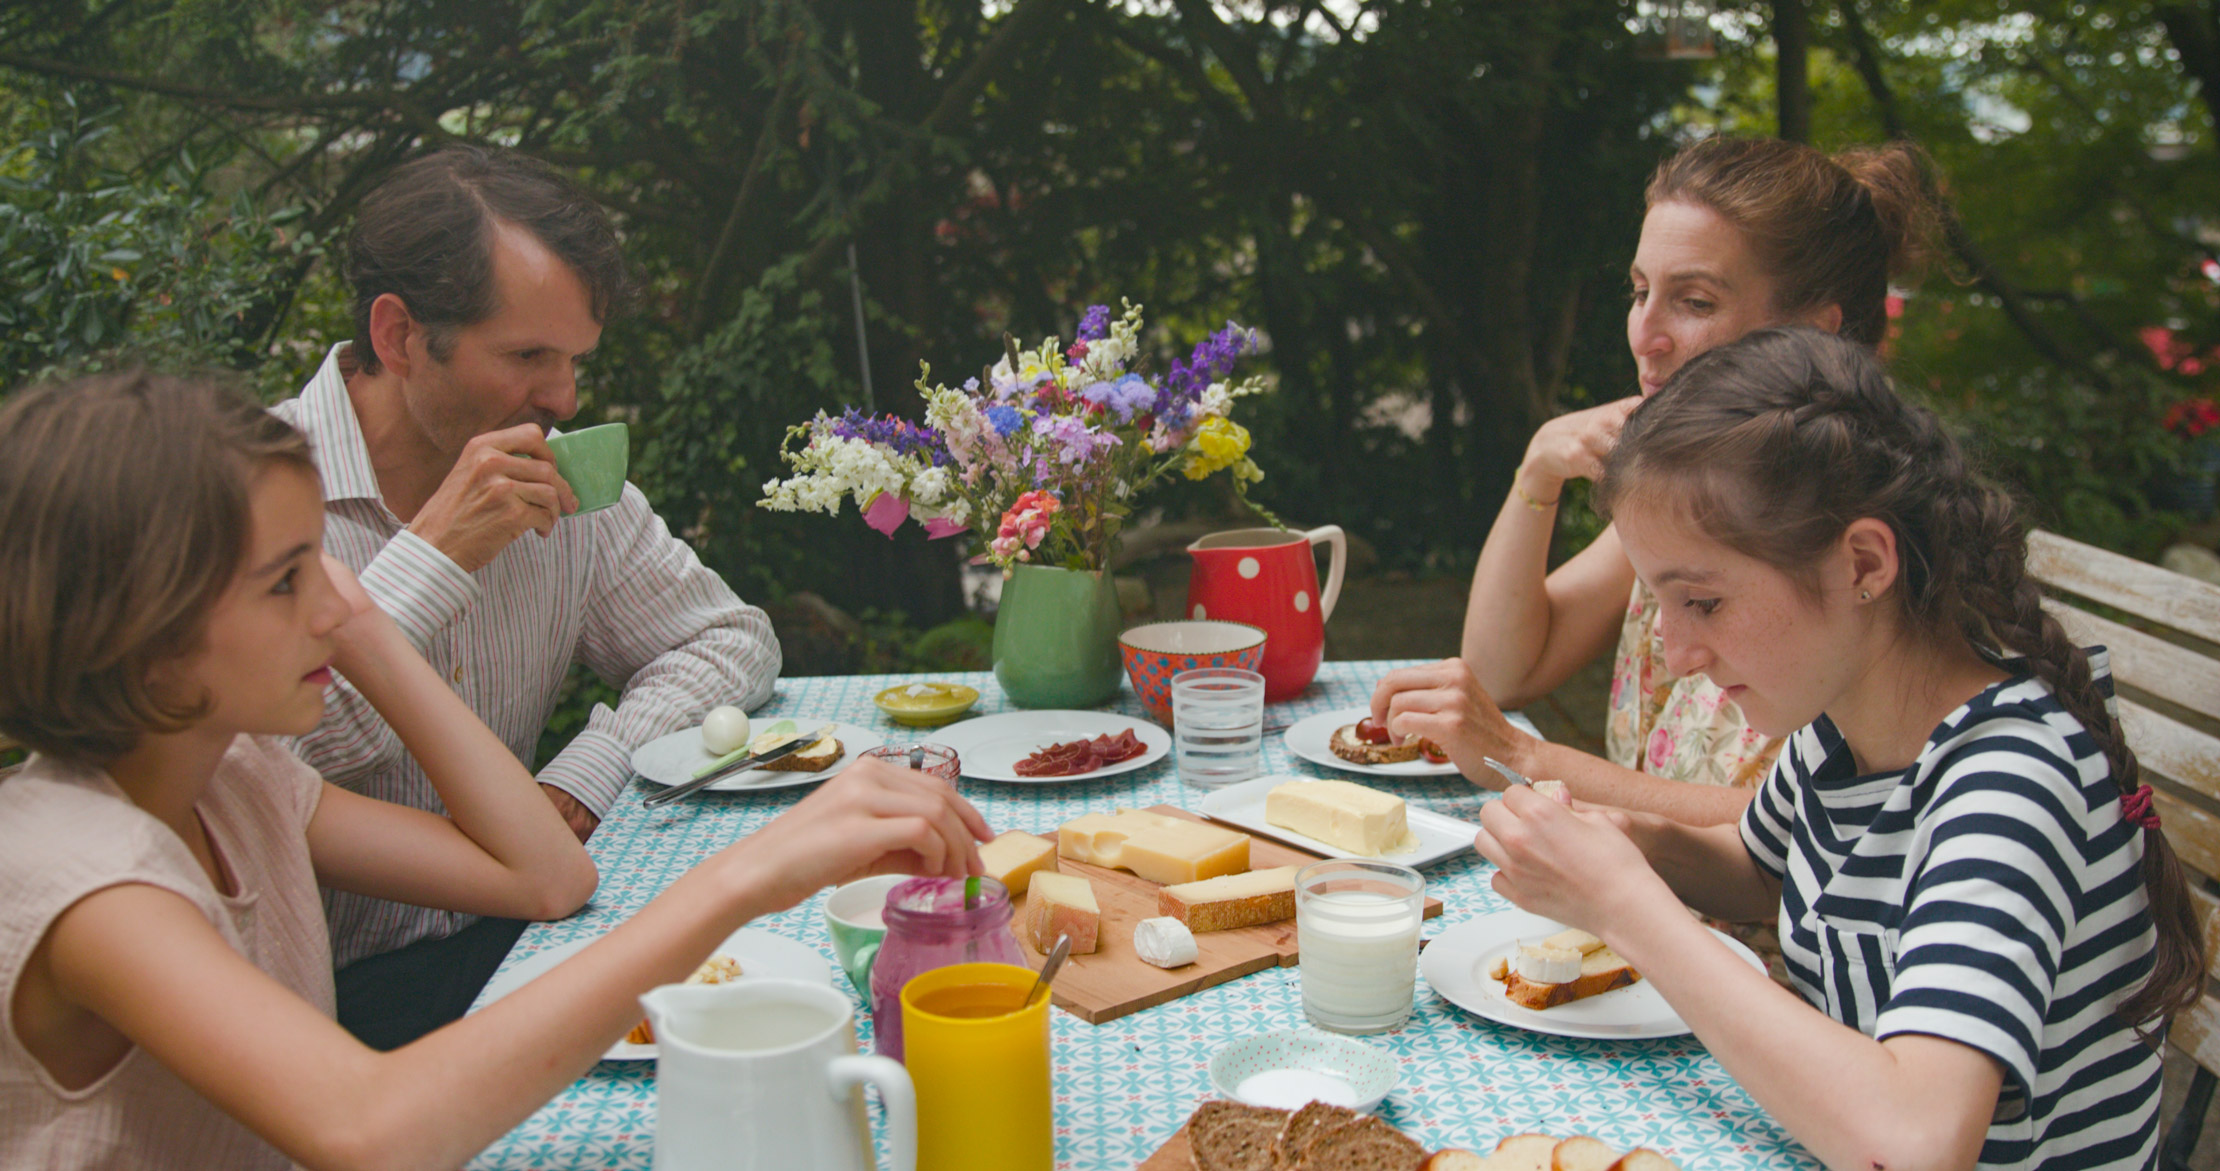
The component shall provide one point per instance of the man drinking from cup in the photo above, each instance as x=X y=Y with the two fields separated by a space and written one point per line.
x=480 y=280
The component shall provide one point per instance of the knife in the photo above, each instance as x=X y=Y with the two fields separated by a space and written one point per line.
x=1510 y=774
x=743 y=764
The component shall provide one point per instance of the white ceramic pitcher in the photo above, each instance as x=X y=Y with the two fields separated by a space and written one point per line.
x=764 y=1073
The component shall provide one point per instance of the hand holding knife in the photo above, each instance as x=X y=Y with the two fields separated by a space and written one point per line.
x=786 y=748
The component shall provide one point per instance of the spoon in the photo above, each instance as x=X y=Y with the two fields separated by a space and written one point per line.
x=1054 y=961
x=1509 y=773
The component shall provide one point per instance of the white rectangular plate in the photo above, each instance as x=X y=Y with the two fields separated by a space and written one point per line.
x=1242 y=805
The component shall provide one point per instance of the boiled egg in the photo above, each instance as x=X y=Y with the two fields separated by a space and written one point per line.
x=725 y=729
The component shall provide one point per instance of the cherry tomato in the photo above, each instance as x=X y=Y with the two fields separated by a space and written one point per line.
x=1432 y=752
x=1371 y=731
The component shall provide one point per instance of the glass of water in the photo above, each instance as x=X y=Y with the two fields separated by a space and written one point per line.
x=1218 y=725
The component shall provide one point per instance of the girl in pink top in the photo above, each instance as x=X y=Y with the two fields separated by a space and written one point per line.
x=165 y=611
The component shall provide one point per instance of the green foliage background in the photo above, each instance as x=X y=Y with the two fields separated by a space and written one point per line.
x=1427 y=207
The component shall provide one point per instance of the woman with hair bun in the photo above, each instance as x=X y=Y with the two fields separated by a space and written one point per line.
x=1977 y=907
x=1740 y=234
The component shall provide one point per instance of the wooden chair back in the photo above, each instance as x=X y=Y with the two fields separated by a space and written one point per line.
x=2164 y=632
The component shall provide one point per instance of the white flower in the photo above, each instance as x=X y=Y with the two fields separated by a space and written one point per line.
x=1216 y=402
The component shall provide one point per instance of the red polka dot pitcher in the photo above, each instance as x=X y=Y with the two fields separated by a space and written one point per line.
x=1269 y=578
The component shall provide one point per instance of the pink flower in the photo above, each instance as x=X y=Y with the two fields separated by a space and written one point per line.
x=941 y=526
x=886 y=512
x=1077 y=352
x=1024 y=525
x=1662 y=743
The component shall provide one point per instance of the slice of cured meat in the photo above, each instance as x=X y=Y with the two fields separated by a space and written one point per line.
x=1081 y=756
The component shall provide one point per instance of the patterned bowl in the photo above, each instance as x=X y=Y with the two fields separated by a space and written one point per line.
x=1299 y=1063
x=1155 y=652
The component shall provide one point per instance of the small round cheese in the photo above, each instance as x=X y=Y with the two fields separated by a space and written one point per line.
x=725 y=729
x=1165 y=942
x=1542 y=964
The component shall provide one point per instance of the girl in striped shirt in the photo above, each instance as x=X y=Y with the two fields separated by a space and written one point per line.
x=1970 y=887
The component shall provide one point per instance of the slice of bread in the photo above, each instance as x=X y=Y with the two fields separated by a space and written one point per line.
x=1346 y=746
x=817 y=757
x=1454 y=1159
x=1582 y=1153
x=1601 y=971
x=1231 y=1136
x=1312 y=1120
x=1367 y=1144
x=1523 y=1152
x=1644 y=1159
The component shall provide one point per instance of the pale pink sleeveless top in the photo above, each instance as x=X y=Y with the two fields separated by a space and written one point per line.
x=68 y=832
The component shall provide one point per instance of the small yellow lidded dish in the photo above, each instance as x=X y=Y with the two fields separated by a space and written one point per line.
x=924 y=705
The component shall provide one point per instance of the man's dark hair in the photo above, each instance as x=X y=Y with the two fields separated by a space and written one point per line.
x=426 y=235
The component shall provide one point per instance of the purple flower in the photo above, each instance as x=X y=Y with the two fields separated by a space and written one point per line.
x=1094 y=324
x=900 y=435
x=1126 y=396
x=1213 y=359
x=1005 y=418
x=1076 y=443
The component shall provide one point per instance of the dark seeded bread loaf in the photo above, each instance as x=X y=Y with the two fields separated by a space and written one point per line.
x=1230 y=1136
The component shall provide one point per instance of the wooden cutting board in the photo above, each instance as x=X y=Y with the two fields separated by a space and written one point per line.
x=1174 y=1155
x=1114 y=982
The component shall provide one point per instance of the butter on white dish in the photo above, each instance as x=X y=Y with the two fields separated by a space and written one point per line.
x=1162 y=849
x=1015 y=857
x=1165 y=942
x=1232 y=900
x=1344 y=815
x=723 y=729
x=1061 y=904
x=1555 y=791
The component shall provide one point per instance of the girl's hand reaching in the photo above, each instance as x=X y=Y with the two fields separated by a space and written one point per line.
x=873 y=818
x=1572 y=862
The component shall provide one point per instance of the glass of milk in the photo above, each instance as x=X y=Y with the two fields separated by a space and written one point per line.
x=1356 y=923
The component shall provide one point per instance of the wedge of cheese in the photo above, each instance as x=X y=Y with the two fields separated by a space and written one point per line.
x=1233 y=900
x=1162 y=849
x=1061 y=904
x=1015 y=857
x=1341 y=814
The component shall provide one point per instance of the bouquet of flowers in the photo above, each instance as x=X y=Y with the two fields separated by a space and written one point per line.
x=1044 y=454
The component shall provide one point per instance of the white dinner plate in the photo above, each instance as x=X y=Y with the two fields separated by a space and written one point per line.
x=1457 y=962
x=672 y=759
x=760 y=953
x=1311 y=738
x=1439 y=836
x=991 y=746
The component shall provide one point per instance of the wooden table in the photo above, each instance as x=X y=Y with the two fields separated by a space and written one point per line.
x=1123 y=1087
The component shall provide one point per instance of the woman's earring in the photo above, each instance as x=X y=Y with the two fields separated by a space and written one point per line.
x=1865 y=595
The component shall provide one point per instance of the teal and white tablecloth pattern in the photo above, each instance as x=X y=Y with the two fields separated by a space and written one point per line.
x=1123 y=1087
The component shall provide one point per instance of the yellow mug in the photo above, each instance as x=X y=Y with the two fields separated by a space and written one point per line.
x=980 y=1065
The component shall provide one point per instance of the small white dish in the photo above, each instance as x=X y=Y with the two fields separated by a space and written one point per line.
x=991 y=746
x=1439 y=836
x=673 y=759
x=1312 y=736
x=1300 y=1058
x=1456 y=964
x=760 y=953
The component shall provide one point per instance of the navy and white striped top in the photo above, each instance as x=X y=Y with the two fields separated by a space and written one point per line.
x=1989 y=894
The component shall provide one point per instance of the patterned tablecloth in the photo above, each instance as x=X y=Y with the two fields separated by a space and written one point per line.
x=1123 y=1087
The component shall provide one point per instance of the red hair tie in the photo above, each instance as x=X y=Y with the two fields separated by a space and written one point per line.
x=2136 y=807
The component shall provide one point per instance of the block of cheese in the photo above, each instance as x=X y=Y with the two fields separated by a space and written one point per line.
x=1158 y=848
x=1234 y=900
x=1013 y=858
x=1061 y=904
x=1166 y=943
x=1343 y=815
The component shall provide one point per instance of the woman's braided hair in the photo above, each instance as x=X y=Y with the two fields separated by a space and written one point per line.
x=1775 y=443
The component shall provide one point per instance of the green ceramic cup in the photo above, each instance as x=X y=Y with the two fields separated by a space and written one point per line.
x=593 y=462
x=1056 y=637
x=852 y=916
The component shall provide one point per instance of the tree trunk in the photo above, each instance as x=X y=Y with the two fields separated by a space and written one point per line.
x=1792 y=52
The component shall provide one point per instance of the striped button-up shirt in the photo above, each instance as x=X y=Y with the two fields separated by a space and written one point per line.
x=612 y=589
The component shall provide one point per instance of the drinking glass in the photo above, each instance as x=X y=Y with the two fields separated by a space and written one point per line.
x=978 y=1054
x=1218 y=725
x=1356 y=923
x=937 y=759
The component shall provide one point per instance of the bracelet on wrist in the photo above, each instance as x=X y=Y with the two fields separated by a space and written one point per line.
x=1532 y=504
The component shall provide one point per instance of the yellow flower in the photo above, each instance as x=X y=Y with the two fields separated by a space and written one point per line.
x=1220 y=443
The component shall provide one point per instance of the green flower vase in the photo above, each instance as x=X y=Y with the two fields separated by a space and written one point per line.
x=1056 y=637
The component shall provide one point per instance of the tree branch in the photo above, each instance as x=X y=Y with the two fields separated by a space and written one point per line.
x=392 y=102
x=707 y=286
